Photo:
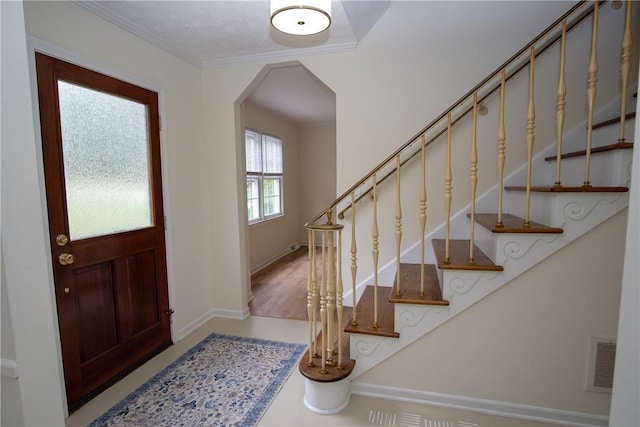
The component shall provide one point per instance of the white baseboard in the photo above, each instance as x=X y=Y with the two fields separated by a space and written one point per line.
x=491 y=407
x=9 y=368
x=227 y=314
x=232 y=314
x=293 y=247
x=183 y=332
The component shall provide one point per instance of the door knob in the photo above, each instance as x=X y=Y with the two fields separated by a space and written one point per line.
x=66 y=259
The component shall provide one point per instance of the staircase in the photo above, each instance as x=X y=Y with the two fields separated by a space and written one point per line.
x=559 y=185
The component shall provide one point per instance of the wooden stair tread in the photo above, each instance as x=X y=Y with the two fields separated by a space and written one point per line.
x=513 y=224
x=332 y=373
x=562 y=189
x=613 y=121
x=459 y=256
x=365 y=310
x=410 y=286
x=620 y=145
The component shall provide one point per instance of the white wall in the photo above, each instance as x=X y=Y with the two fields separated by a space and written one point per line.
x=625 y=410
x=25 y=259
x=11 y=410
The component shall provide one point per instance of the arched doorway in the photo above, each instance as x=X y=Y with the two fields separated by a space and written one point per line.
x=289 y=103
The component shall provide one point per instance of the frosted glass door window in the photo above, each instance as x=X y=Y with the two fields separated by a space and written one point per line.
x=106 y=162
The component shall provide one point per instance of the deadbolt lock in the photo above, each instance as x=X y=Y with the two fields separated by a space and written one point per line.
x=66 y=259
x=62 y=239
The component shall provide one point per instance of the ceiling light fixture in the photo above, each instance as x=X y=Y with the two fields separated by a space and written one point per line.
x=301 y=17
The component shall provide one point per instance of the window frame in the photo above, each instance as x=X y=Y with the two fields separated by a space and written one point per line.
x=260 y=178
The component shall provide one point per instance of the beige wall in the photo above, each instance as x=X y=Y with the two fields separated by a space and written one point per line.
x=104 y=45
x=318 y=166
x=309 y=182
x=528 y=342
x=271 y=239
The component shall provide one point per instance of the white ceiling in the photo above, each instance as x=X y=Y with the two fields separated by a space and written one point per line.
x=215 y=33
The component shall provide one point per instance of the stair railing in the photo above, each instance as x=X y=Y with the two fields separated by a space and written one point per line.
x=325 y=293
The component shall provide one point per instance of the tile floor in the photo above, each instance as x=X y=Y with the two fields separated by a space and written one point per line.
x=287 y=409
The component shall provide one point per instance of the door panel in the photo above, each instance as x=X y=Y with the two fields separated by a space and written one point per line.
x=101 y=152
x=96 y=310
x=142 y=291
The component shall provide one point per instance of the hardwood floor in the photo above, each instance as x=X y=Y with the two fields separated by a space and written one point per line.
x=280 y=290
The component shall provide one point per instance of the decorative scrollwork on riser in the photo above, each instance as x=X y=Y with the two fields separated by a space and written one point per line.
x=518 y=249
x=460 y=285
x=412 y=317
x=366 y=347
x=578 y=210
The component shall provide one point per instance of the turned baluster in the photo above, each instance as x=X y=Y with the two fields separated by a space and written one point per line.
x=339 y=302
x=502 y=136
x=423 y=211
x=323 y=306
x=625 y=69
x=310 y=307
x=331 y=295
x=474 y=177
x=531 y=118
x=592 y=82
x=376 y=251
x=561 y=103
x=398 y=226
x=448 y=179
x=354 y=258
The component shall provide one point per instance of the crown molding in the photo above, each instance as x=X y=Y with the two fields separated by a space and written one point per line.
x=282 y=55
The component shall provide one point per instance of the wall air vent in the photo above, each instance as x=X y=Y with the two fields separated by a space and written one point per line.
x=602 y=357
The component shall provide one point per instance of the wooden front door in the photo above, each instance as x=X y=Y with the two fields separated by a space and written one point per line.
x=101 y=150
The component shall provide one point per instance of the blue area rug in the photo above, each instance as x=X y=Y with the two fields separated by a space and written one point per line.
x=224 y=380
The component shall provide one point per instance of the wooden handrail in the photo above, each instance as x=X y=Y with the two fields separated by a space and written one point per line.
x=524 y=63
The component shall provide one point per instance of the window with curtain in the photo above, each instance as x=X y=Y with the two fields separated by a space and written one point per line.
x=264 y=176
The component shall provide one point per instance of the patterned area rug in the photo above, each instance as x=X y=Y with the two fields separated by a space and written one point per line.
x=224 y=380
